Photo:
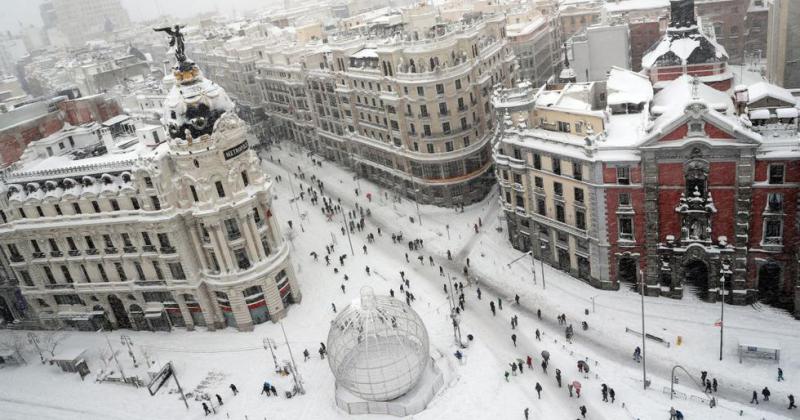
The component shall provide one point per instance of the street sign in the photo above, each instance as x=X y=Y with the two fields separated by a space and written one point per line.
x=158 y=381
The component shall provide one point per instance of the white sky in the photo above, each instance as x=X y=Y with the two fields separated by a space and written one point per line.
x=27 y=11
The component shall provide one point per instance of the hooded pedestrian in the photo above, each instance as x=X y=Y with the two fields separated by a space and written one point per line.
x=233 y=388
x=612 y=394
x=219 y=399
x=526 y=413
x=265 y=389
x=583 y=411
x=305 y=355
x=205 y=408
x=539 y=390
x=529 y=362
x=514 y=339
x=765 y=393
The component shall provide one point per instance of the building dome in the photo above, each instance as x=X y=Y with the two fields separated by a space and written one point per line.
x=378 y=347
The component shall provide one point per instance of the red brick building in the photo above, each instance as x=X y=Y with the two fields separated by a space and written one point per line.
x=41 y=119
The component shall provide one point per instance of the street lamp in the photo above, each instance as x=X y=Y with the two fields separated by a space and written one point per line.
x=453 y=313
x=543 y=247
x=644 y=354
x=125 y=340
x=723 y=271
x=533 y=266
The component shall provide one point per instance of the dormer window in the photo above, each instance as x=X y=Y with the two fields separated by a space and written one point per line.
x=696 y=128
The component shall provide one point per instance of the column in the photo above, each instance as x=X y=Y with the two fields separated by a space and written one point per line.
x=198 y=247
x=241 y=312
x=187 y=316
x=252 y=238
x=223 y=251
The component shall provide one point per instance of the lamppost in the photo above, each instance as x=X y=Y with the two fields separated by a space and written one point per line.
x=644 y=354
x=533 y=266
x=543 y=247
x=453 y=313
x=298 y=381
x=724 y=270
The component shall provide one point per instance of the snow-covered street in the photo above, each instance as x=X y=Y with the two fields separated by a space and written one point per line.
x=475 y=389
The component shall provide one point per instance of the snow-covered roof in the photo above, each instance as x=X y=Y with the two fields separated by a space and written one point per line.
x=678 y=93
x=629 y=5
x=683 y=45
x=627 y=87
x=761 y=90
x=365 y=53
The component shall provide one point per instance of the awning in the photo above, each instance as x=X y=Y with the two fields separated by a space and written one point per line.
x=116 y=120
x=152 y=315
x=78 y=316
x=760 y=114
x=787 y=112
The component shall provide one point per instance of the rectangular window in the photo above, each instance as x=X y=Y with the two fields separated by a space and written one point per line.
x=577 y=171
x=53 y=245
x=26 y=278
x=148 y=182
x=776 y=173
x=102 y=272
x=242 y=260
x=423 y=111
x=232 y=228
x=120 y=272
x=578 y=195
x=109 y=243
x=420 y=91
x=580 y=219
x=560 y=215
x=537 y=161
x=446 y=127
x=176 y=269
x=466 y=142
x=458 y=83
x=520 y=201
x=220 y=189
x=563 y=127
x=624 y=199
x=157 y=268
x=114 y=204
x=139 y=271
x=623 y=176
x=89 y=242
x=194 y=193
x=556 y=166
x=538 y=182
x=76 y=208
x=430 y=147
x=265 y=244
x=245 y=180
x=448 y=146
x=775 y=202
x=439 y=89
x=126 y=239
x=135 y=203
x=626 y=228
x=85 y=275
x=58 y=209
x=39 y=211
x=426 y=130
x=558 y=189
x=146 y=238
x=156 y=202
x=67 y=275
x=96 y=207
x=49 y=274
x=773 y=231
x=540 y=207
x=518 y=178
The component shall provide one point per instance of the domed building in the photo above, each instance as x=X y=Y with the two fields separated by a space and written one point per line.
x=131 y=226
x=378 y=350
x=686 y=48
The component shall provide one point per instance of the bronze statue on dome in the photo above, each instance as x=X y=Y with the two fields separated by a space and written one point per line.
x=176 y=40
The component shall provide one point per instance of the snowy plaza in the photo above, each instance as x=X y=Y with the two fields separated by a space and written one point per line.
x=475 y=388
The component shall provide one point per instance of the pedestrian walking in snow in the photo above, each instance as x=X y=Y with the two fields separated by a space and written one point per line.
x=526 y=413
x=708 y=385
x=367 y=269
x=512 y=323
x=637 y=355
x=712 y=402
x=604 y=391
x=233 y=388
x=459 y=356
x=327 y=260
x=274 y=391
x=391 y=292
x=513 y=368
x=755 y=398
x=714 y=384
x=519 y=365
x=703 y=376
x=514 y=339
x=539 y=313
x=500 y=303
x=265 y=389
x=791 y=402
x=491 y=306
x=407 y=257
x=305 y=355
x=343 y=289
x=780 y=374
x=765 y=393
x=205 y=408
x=544 y=366
x=558 y=378
x=569 y=387
x=583 y=411
x=441 y=271
x=365 y=249
x=421 y=260
x=430 y=259
x=478 y=290
x=516 y=299
x=449 y=255
x=506 y=376
x=539 y=390
x=612 y=394
x=538 y=335
x=529 y=362
x=219 y=399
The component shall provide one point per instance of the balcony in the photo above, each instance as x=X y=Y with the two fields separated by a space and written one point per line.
x=59 y=286
x=149 y=248
x=56 y=254
x=91 y=251
x=74 y=252
x=129 y=249
x=147 y=283
x=167 y=249
x=17 y=258
x=110 y=250
x=38 y=255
